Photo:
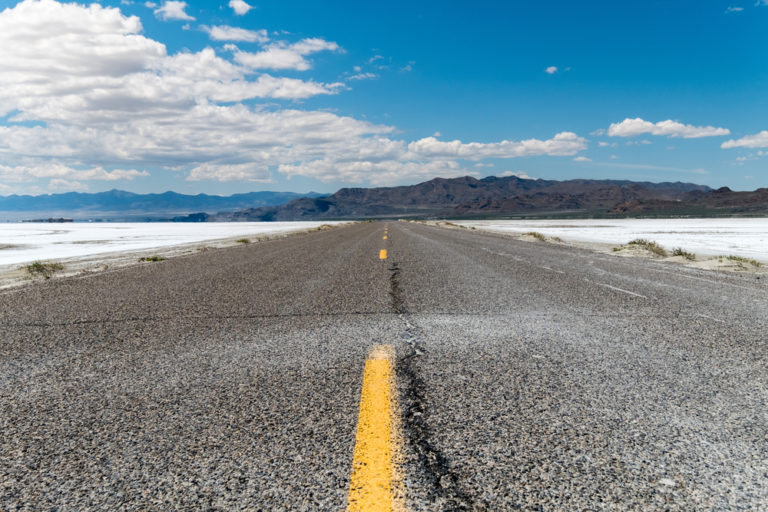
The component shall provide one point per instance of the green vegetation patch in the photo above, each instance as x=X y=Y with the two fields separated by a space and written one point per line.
x=649 y=245
x=152 y=258
x=243 y=241
x=679 y=251
x=741 y=260
x=536 y=235
x=44 y=270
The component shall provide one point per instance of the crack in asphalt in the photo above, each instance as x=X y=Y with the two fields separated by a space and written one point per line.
x=191 y=317
x=443 y=482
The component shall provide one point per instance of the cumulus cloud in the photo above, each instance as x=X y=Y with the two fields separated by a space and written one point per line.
x=637 y=126
x=562 y=144
x=285 y=56
x=69 y=63
x=551 y=70
x=377 y=173
x=227 y=33
x=173 y=10
x=757 y=140
x=59 y=171
x=582 y=159
x=240 y=7
x=520 y=174
x=59 y=185
x=362 y=76
x=81 y=85
x=230 y=172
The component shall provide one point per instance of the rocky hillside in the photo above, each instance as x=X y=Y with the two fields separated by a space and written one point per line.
x=466 y=197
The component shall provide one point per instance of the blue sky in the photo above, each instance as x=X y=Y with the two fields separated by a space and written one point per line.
x=232 y=96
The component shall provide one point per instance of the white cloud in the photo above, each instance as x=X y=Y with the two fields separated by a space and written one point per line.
x=96 y=90
x=69 y=63
x=48 y=170
x=240 y=7
x=284 y=56
x=734 y=9
x=562 y=144
x=551 y=70
x=59 y=185
x=757 y=140
x=227 y=33
x=377 y=173
x=520 y=174
x=582 y=159
x=363 y=76
x=230 y=172
x=173 y=10
x=669 y=128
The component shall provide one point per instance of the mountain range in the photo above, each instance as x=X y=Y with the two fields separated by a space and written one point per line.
x=121 y=205
x=464 y=197
x=468 y=197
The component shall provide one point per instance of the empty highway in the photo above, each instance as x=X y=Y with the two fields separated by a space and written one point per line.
x=525 y=376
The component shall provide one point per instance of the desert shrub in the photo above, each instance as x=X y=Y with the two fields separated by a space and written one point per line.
x=152 y=258
x=679 y=251
x=536 y=235
x=649 y=245
x=740 y=259
x=44 y=270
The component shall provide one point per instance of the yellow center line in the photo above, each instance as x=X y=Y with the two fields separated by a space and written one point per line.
x=383 y=254
x=385 y=237
x=376 y=482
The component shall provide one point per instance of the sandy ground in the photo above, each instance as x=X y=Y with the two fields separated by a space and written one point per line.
x=17 y=275
x=714 y=263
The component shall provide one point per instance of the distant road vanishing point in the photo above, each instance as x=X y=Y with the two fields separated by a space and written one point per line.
x=386 y=366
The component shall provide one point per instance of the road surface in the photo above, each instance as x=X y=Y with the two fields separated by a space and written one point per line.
x=529 y=376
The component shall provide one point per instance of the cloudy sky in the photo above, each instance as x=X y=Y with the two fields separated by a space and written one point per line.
x=225 y=96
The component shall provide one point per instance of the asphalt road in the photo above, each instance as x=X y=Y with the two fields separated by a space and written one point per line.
x=531 y=376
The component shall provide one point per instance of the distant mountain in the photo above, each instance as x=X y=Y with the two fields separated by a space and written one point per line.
x=127 y=204
x=722 y=200
x=470 y=197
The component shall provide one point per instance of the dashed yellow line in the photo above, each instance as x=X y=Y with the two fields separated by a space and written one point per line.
x=383 y=254
x=384 y=237
x=376 y=482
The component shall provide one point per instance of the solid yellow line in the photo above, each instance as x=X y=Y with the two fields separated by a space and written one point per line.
x=383 y=254
x=374 y=484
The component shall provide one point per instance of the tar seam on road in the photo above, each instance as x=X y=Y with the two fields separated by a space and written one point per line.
x=376 y=481
x=444 y=484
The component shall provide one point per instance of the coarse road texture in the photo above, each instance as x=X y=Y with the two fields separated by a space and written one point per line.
x=531 y=376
